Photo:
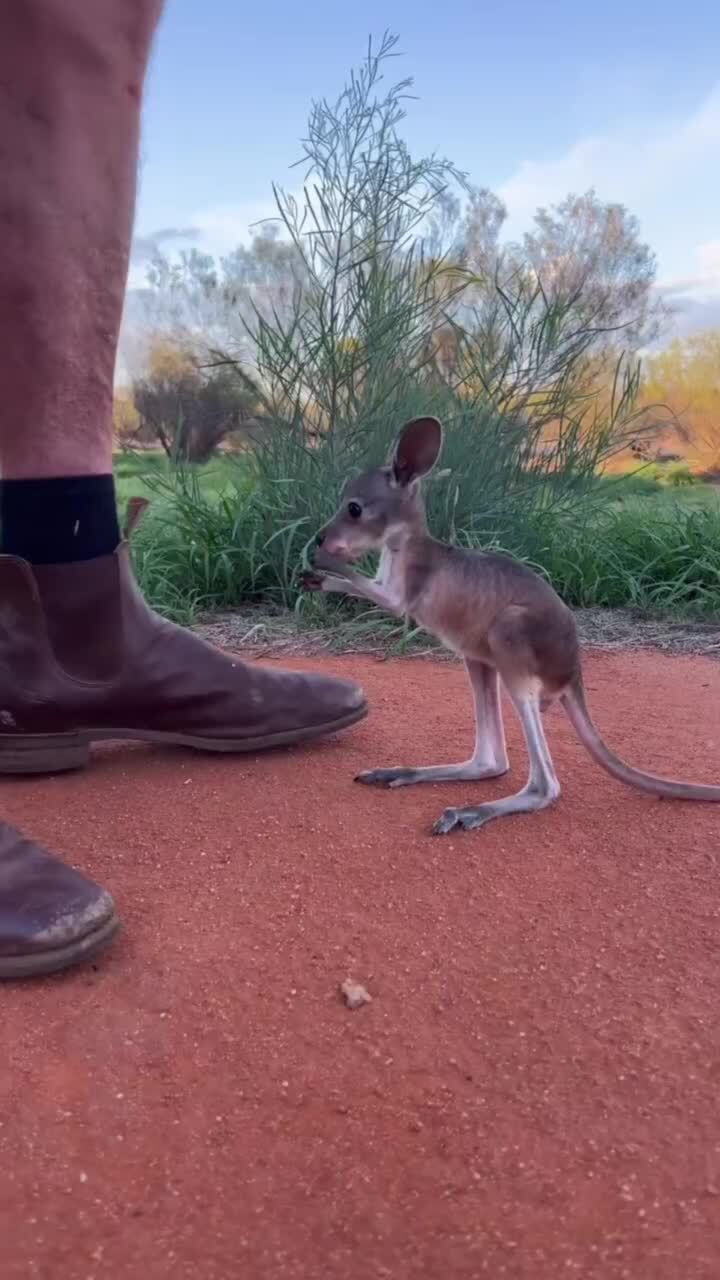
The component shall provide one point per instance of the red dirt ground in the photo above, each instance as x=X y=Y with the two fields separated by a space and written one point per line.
x=533 y=1092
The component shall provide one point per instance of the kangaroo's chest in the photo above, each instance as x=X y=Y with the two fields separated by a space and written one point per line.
x=392 y=577
x=457 y=616
x=438 y=600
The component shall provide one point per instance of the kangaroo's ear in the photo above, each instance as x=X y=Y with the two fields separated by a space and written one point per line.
x=417 y=450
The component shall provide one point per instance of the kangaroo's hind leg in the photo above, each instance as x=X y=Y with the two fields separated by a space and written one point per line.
x=489 y=757
x=516 y=658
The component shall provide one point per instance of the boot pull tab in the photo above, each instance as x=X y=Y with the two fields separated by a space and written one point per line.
x=134 y=513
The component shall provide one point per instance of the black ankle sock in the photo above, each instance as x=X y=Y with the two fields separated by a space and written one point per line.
x=59 y=520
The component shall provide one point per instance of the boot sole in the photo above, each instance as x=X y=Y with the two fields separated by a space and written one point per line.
x=43 y=963
x=62 y=752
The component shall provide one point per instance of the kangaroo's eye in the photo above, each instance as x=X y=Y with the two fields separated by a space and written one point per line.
x=354 y=510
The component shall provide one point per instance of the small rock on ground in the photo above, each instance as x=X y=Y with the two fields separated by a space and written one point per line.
x=354 y=995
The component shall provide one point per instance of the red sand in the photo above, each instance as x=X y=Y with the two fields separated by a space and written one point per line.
x=534 y=1090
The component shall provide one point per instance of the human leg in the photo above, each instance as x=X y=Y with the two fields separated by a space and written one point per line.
x=81 y=655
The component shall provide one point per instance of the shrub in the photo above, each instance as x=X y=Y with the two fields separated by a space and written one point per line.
x=679 y=474
x=187 y=409
x=381 y=332
x=664 y=560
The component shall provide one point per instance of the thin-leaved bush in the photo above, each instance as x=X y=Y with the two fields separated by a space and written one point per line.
x=379 y=331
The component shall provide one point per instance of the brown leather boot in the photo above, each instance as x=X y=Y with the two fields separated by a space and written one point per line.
x=51 y=916
x=83 y=658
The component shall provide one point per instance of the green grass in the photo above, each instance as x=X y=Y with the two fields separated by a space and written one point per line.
x=694 y=497
x=137 y=474
x=355 y=354
x=658 y=555
x=210 y=542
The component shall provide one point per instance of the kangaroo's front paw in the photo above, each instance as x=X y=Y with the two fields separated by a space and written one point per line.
x=311 y=580
x=314 y=581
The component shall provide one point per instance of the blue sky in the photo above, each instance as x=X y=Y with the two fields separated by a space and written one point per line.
x=532 y=99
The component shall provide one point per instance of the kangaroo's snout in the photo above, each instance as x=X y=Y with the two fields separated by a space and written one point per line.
x=332 y=544
x=337 y=547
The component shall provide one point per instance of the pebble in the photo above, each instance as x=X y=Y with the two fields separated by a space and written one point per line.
x=354 y=995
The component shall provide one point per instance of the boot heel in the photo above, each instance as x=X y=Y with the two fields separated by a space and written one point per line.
x=43 y=752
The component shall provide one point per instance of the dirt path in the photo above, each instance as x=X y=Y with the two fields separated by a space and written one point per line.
x=533 y=1092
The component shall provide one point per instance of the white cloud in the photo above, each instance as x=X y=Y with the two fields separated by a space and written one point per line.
x=217 y=230
x=695 y=298
x=704 y=279
x=669 y=177
x=224 y=227
x=632 y=168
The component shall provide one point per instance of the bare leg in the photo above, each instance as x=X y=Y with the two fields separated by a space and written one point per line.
x=71 y=79
x=74 y=625
x=488 y=760
x=542 y=787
